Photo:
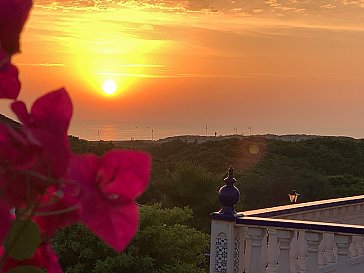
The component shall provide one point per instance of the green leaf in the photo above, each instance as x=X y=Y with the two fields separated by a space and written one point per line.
x=22 y=240
x=26 y=269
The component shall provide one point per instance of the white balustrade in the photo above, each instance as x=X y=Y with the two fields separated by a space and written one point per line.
x=313 y=251
x=272 y=253
x=348 y=210
x=256 y=236
x=326 y=239
x=302 y=251
x=322 y=261
x=294 y=252
x=329 y=248
x=313 y=241
x=284 y=242
x=342 y=244
x=360 y=244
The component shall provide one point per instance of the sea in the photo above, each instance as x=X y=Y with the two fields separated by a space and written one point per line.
x=95 y=130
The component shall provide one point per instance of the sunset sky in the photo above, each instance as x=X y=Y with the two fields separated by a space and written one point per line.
x=278 y=66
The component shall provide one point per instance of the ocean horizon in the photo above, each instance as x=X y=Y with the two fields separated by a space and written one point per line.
x=94 y=130
x=108 y=130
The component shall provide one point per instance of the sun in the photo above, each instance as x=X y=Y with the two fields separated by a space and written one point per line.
x=109 y=87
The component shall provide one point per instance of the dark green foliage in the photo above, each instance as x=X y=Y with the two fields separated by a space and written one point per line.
x=194 y=186
x=164 y=236
x=271 y=181
x=186 y=176
x=79 y=250
x=81 y=146
x=346 y=185
x=125 y=262
x=26 y=269
x=163 y=242
x=180 y=268
x=318 y=168
x=328 y=155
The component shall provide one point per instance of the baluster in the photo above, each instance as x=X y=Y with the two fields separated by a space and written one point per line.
x=360 y=244
x=264 y=260
x=353 y=249
x=330 y=244
x=342 y=244
x=284 y=240
x=273 y=252
x=294 y=252
x=247 y=252
x=302 y=250
x=256 y=235
x=313 y=240
x=321 y=256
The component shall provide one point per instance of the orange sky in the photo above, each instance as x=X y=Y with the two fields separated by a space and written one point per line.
x=278 y=66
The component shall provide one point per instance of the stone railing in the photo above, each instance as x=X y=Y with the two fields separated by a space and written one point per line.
x=348 y=210
x=323 y=236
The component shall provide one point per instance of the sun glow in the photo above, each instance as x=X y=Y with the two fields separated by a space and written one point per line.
x=109 y=87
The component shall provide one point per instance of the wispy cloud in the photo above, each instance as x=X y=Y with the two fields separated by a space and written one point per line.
x=162 y=38
x=42 y=64
x=141 y=65
x=342 y=11
x=230 y=76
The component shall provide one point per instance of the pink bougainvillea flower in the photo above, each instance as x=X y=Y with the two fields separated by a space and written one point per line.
x=109 y=186
x=18 y=153
x=9 y=81
x=39 y=146
x=59 y=209
x=20 y=189
x=13 y=14
x=124 y=174
x=48 y=122
x=6 y=219
x=44 y=258
x=16 y=149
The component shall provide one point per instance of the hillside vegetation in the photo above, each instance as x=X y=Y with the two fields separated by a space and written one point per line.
x=318 y=168
x=186 y=175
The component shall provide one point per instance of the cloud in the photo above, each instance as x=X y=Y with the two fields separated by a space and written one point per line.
x=198 y=4
x=328 y=6
x=42 y=64
x=271 y=8
x=358 y=3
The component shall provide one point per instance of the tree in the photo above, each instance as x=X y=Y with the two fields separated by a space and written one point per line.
x=163 y=244
x=194 y=186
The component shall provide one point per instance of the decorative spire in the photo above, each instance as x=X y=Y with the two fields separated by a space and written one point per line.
x=230 y=178
x=229 y=195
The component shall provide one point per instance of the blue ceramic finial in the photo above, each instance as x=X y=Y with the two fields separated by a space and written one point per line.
x=229 y=195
